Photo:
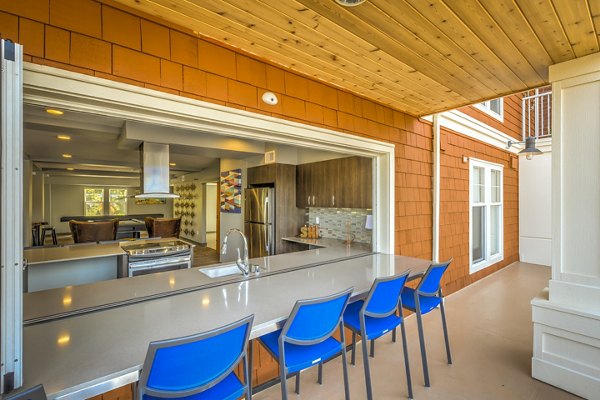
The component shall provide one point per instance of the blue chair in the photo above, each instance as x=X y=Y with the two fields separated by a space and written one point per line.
x=426 y=297
x=198 y=367
x=307 y=339
x=376 y=316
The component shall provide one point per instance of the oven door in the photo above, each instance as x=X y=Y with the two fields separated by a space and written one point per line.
x=158 y=264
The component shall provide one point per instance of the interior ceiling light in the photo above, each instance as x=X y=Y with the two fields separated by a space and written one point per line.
x=53 y=111
x=172 y=164
x=66 y=155
x=63 y=137
x=70 y=169
x=350 y=3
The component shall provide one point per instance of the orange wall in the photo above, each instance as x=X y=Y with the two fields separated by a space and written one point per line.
x=101 y=39
x=512 y=122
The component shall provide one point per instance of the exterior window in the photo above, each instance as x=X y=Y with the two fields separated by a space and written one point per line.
x=117 y=201
x=94 y=202
x=486 y=214
x=495 y=108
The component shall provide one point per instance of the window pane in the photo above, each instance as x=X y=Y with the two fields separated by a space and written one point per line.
x=495 y=230
x=496 y=186
x=94 y=209
x=496 y=106
x=478 y=185
x=117 y=201
x=478 y=230
x=94 y=195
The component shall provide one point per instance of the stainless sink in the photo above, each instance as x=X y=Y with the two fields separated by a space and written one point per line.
x=217 y=272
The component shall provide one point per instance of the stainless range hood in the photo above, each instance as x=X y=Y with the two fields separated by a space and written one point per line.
x=155 y=171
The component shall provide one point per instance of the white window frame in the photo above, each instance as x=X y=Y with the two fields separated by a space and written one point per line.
x=486 y=107
x=489 y=259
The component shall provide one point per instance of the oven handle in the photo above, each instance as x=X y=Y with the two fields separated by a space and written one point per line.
x=160 y=254
x=159 y=263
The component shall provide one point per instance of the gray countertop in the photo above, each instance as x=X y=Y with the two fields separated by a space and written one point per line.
x=42 y=255
x=82 y=356
x=52 y=303
x=326 y=242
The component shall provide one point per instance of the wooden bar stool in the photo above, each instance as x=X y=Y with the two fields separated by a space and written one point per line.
x=52 y=231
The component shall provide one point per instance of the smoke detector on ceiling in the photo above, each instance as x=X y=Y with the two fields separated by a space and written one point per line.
x=350 y=3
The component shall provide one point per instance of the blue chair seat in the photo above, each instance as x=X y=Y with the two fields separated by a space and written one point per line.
x=299 y=357
x=427 y=303
x=376 y=327
x=230 y=388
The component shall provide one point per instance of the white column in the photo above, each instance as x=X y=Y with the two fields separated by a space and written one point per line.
x=567 y=317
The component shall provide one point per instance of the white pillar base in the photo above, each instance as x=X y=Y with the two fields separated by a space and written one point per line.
x=566 y=347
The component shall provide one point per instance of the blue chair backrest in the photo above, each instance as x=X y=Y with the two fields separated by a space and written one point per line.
x=431 y=282
x=384 y=295
x=194 y=363
x=313 y=321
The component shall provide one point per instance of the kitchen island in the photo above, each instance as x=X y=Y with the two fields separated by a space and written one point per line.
x=84 y=355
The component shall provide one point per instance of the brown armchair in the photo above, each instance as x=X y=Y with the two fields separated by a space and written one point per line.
x=85 y=232
x=163 y=227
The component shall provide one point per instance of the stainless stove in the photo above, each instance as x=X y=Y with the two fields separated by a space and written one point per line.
x=149 y=257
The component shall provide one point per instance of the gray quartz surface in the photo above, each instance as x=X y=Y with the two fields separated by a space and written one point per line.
x=326 y=242
x=53 y=303
x=42 y=255
x=88 y=354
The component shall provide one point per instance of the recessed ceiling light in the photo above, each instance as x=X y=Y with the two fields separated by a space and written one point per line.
x=67 y=155
x=172 y=164
x=53 y=111
x=63 y=137
x=70 y=169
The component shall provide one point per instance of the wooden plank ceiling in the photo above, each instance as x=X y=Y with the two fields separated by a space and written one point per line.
x=418 y=56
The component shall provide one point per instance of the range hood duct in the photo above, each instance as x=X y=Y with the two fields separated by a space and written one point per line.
x=154 y=158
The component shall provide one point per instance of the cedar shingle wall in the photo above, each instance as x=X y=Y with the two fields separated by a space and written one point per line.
x=102 y=39
x=512 y=124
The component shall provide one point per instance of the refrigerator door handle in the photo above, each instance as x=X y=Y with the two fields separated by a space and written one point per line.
x=267 y=226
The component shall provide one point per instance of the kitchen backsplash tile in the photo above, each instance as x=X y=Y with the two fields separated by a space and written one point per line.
x=333 y=222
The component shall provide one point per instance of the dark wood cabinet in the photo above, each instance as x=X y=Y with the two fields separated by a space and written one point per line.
x=339 y=183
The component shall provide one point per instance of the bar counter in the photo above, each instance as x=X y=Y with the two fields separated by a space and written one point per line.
x=85 y=355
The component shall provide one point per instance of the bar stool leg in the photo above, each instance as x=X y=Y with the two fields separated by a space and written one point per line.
x=344 y=363
x=353 y=362
x=320 y=380
x=283 y=377
x=298 y=382
x=250 y=363
x=423 y=351
x=54 y=239
x=366 y=364
x=406 y=363
x=372 y=348
x=247 y=375
x=445 y=331
x=394 y=336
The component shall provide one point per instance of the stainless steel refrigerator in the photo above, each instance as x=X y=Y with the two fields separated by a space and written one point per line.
x=259 y=221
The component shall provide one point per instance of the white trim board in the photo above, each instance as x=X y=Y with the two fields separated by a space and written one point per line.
x=44 y=86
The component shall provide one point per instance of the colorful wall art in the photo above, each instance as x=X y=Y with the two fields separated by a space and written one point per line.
x=231 y=191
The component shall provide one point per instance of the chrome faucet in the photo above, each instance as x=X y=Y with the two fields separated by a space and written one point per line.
x=243 y=265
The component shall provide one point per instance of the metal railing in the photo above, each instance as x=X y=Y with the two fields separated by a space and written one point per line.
x=537 y=113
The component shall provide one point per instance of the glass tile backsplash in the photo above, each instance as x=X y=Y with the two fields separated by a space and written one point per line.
x=333 y=222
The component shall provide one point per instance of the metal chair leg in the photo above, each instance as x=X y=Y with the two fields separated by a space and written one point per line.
x=394 y=335
x=372 y=348
x=353 y=362
x=345 y=369
x=250 y=365
x=248 y=394
x=423 y=351
x=298 y=382
x=445 y=332
x=283 y=377
x=320 y=379
x=406 y=363
x=367 y=370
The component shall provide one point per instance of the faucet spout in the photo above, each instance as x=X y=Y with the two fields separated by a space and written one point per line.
x=243 y=265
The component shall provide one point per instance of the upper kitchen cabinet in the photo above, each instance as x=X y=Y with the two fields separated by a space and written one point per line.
x=339 y=183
